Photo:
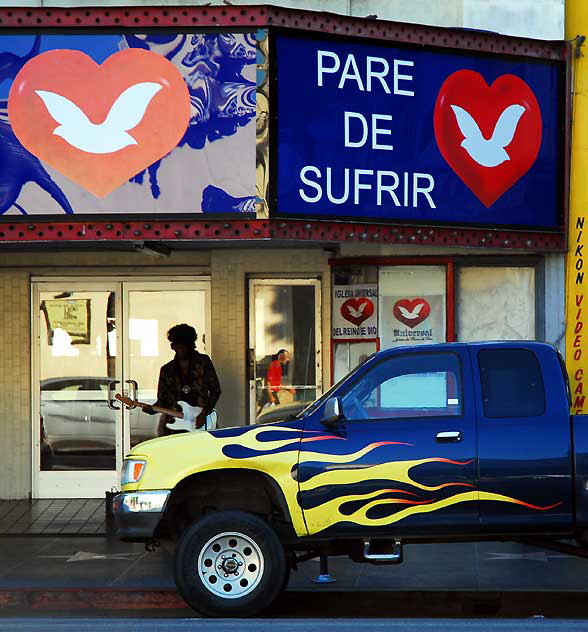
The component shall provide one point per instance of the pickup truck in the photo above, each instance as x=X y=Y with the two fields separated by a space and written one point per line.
x=431 y=443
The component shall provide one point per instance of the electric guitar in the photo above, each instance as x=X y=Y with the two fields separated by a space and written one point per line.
x=185 y=420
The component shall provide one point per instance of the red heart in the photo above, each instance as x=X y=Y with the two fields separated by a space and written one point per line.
x=94 y=89
x=469 y=91
x=356 y=310
x=407 y=311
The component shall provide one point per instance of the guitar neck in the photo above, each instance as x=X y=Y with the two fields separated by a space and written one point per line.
x=160 y=409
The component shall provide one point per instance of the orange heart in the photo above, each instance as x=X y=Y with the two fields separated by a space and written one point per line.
x=94 y=89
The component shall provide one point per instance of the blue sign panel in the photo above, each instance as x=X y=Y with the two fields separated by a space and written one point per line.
x=375 y=132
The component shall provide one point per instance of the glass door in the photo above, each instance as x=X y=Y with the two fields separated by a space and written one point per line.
x=95 y=339
x=284 y=347
x=76 y=428
x=150 y=310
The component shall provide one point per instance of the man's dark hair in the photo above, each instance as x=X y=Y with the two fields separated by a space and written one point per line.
x=183 y=334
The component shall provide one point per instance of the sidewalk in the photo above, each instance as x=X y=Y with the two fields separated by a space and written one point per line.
x=86 y=566
x=49 y=573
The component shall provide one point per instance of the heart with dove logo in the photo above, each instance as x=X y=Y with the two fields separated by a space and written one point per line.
x=411 y=312
x=357 y=310
x=489 y=135
x=99 y=125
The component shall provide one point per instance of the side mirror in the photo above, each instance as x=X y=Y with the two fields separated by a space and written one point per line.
x=333 y=411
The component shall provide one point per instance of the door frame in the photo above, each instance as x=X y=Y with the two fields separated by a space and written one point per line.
x=76 y=484
x=253 y=282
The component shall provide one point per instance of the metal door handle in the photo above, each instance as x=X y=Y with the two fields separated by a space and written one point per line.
x=111 y=399
x=134 y=388
x=448 y=437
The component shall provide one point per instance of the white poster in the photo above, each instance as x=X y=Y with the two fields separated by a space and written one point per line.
x=408 y=320
x=355 y=311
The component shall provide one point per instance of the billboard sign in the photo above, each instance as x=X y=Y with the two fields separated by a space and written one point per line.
x=376 y=132
x=121 y=124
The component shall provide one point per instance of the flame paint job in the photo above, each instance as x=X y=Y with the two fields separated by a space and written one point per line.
x=339 y=480
x=328 y=497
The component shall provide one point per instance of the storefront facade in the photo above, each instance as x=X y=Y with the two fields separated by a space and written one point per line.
x=292 y=182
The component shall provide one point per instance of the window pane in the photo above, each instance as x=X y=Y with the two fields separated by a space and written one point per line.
x=496 y=303
x=78 y=430
x=419 y=390
x=348 y=355
x=424 y=385
x=285 y=354
x=151 y=314
x=411 y=305
x=512 y=384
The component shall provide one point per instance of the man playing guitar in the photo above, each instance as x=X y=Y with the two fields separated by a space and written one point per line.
x=190 y=377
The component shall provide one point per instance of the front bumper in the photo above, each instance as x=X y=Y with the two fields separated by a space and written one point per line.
x=137 y=514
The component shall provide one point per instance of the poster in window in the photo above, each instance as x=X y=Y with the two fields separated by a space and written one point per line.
x=410 y=320
x=72 y=316
x=355 y=311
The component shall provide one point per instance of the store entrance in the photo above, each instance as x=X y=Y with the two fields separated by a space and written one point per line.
x=95 y=339
x=284 y=347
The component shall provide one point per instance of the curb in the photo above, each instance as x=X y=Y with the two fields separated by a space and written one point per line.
x=90 y=599
x=315 y=602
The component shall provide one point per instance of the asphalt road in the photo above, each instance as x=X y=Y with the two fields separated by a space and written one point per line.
x=283 y=625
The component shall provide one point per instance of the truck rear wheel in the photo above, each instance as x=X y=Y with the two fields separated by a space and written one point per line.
x=230 y=564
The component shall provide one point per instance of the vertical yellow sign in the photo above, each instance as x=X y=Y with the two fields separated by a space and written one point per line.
x=577 y=312
x=577 y=263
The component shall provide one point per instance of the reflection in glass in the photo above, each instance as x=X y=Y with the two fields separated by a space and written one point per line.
x=285 y=367
x=151 y=314
x=77 y=427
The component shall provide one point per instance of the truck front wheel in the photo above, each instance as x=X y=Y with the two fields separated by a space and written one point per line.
x=230 y=564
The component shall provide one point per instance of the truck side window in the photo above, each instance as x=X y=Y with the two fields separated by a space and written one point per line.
x=512 y=384
x=415 y=385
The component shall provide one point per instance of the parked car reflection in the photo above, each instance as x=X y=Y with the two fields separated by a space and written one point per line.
x=79 y=427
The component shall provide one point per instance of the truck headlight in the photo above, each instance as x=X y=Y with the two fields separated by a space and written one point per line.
x=134 y=502
x=132 y=470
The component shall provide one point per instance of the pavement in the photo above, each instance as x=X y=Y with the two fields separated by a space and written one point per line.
x=44 y=573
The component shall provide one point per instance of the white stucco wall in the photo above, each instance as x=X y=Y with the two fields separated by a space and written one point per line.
x=541 y=19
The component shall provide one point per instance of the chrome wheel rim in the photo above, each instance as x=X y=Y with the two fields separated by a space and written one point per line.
x=230 y=565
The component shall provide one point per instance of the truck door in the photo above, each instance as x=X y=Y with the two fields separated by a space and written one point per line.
x=524 y=439
x=403 y=457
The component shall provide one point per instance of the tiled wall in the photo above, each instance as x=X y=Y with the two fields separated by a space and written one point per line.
x=15 y=379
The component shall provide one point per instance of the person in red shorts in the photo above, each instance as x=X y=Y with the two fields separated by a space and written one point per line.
x=273 y=380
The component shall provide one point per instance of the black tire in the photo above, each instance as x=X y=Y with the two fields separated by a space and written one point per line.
x=208 y=582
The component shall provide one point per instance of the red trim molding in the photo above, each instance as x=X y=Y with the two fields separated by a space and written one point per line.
x=253 y=17
x=135 y=17
x=327 y=233
x=450 y=302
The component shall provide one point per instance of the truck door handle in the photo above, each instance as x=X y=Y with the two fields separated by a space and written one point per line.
x=448 y=437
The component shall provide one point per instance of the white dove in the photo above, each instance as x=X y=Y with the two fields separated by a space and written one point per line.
x=356 y=313
x=413 y=314
x=110 y=135
x=491 y=152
